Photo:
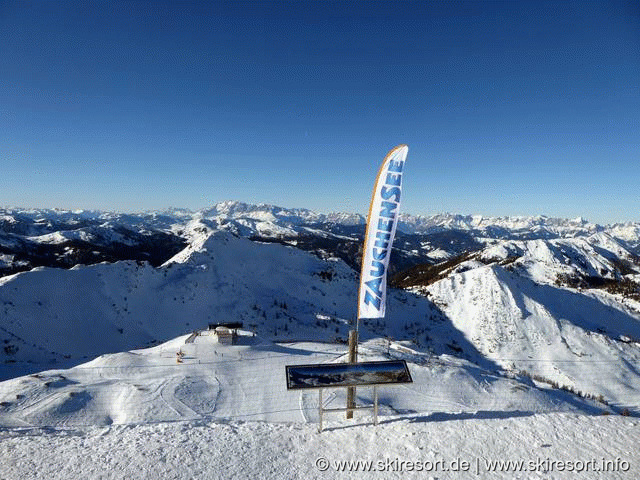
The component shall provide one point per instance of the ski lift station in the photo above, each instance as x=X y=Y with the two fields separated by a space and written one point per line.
x=226 y=333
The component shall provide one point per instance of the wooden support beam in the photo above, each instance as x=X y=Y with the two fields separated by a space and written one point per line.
x=351 y=391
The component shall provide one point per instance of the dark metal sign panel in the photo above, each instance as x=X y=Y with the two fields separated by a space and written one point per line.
x=347 y=374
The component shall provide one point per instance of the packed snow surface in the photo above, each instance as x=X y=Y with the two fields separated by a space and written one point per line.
x=436 y=446
x=224 y=412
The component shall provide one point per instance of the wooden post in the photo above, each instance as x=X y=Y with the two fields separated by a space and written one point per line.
x=351 y=391
x=320 y=410
x=375 y=405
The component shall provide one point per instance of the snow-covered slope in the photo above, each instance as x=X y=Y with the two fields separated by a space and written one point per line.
x=246 y=382
x=51 y=313
x=498 y=318
x=56 y=315
x=514 y=306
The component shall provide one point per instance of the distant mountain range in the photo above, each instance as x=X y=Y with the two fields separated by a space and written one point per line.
x=62 y=238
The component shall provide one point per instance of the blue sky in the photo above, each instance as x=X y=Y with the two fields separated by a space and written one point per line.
x=508 y=108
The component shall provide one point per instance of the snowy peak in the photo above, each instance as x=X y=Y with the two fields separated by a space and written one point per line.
x=272 y=221
x=546 y=261
x=539 y=226
x=265 y=220
x=260 y=212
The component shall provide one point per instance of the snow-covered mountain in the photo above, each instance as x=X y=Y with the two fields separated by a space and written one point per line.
x=509 y=318
x=60 y=238
x=39 y=221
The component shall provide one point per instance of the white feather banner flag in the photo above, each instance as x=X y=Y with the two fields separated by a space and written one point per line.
x=381 y=228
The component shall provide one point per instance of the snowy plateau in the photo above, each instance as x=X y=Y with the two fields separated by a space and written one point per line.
x=522 y=336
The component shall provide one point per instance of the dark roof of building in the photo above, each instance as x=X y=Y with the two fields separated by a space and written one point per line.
x=232 y=325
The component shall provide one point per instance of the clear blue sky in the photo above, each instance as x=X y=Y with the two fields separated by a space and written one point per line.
x=507 y=107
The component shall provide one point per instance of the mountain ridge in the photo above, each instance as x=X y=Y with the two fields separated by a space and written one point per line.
x=231 y=208
x=63 y=238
